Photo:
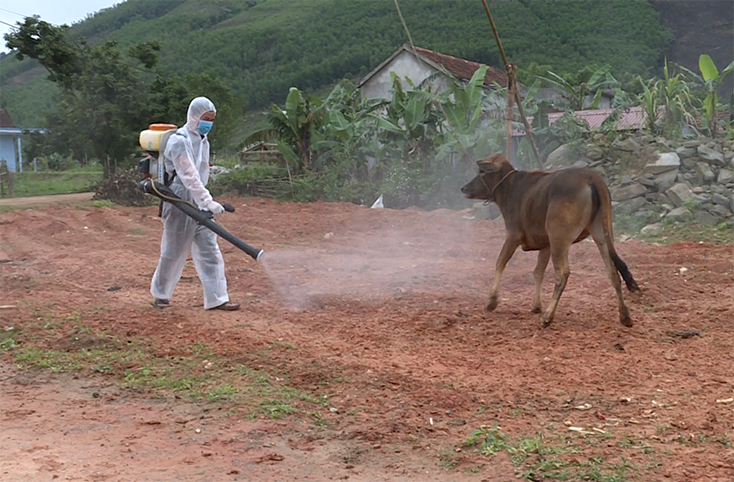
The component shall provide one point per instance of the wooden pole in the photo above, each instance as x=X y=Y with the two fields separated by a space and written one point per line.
x=511 y=82
x=510 y=112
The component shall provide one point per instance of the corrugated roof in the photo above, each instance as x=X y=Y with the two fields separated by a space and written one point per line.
x=5 y=120
x=463 y=69
x=631 y=119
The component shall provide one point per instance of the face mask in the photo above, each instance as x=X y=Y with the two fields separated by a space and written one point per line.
x=204 y=127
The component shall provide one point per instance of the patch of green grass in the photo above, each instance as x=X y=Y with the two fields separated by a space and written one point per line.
x=319 y=421
x=523 y=449
x=222 y=393
x=103 y=203
x=275 y=408
x=201 y=349
x=542 y=458
x=693 y=231
x=56 y=361
x=627 y=442
x=177 y=384
x=55 y=182
x=491 y=440
x=596 y=470
x=7 y=338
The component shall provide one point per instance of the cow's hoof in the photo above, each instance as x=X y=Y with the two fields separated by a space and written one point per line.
x=491 y=305
x=545 y=321
x=536 y=310
x=626 y=319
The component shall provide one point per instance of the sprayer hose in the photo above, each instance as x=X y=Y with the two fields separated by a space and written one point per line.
x=169 y=198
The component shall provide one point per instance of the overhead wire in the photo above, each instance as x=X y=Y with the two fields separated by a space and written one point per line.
x=14 y=13
x=9 y=24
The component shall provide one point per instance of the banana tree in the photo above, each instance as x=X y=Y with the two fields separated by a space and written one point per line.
x=468 y=130
x=293 y=126
x=409 y=122
x=347 y=128
x=576 y=95
x=713 y=79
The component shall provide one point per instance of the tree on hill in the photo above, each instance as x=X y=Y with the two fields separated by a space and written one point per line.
x=102 y=105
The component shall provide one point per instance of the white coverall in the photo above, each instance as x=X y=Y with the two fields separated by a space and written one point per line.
x=187 y=152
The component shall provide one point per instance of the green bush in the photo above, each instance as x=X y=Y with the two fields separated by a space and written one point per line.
x=245 y=179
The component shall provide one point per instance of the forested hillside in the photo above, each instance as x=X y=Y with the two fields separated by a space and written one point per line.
x=700 y=26
x=260 y=48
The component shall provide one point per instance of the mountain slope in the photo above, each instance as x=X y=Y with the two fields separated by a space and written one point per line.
x=700 y=27
x=263 y=47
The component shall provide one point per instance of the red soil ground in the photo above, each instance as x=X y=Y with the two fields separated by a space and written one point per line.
x=381 y=311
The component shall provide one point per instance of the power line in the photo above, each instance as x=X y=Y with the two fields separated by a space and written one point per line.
x=14 y=13
x=9 y=24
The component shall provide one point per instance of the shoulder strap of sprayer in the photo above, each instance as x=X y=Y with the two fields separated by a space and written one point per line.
x=168 y=179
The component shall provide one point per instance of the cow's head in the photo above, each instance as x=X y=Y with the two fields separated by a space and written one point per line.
x=492 y=171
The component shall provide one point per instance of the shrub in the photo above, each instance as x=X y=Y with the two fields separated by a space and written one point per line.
x=122 y=188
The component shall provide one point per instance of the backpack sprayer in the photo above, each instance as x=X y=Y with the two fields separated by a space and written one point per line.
x=153 y=141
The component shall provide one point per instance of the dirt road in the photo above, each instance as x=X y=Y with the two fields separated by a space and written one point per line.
x=56 y=198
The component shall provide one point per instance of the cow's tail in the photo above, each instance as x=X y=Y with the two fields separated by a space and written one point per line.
x=602 y=202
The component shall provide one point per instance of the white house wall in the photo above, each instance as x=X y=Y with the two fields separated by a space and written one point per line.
x=8 y=151
x=405 y=65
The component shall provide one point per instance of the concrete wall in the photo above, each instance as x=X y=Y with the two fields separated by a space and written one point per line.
x=404 y=65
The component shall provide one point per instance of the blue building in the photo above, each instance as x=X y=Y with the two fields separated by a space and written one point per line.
x=10 y=144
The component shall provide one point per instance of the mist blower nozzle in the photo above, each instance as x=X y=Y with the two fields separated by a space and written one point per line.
x=205 y=218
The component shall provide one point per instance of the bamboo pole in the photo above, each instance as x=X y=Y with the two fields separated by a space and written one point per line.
x=511 y=82
x=510 y=111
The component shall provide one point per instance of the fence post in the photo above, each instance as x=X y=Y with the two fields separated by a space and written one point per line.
x=20 y=154
x=6 y=177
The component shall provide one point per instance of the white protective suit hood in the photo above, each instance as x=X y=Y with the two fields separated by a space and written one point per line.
x=197 y=108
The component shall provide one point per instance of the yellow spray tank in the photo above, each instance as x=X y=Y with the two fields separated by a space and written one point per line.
x=153 y=141
x=150 y=138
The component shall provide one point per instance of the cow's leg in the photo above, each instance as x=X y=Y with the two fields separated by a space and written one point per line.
x=597 y=233
x=508 y=249
x=559 y=254
x=538 y=274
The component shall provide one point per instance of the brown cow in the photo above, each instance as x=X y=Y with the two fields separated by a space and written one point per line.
x=547 y=212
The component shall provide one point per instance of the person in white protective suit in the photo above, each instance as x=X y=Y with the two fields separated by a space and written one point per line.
x=186 y=159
